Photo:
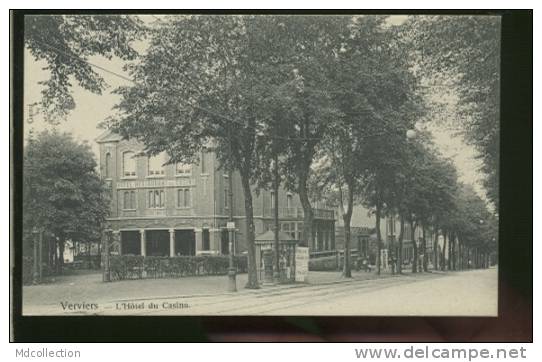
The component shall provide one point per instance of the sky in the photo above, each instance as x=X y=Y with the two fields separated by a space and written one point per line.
x=91 y=109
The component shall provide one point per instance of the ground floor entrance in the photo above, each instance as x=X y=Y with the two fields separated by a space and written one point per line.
x=224 y=242
x=185 y=242
x=157 y=242
x=130 y=243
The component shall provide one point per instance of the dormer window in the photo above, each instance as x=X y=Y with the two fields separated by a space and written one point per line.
x=155 y=165
x=128 y=164
x=183 y=169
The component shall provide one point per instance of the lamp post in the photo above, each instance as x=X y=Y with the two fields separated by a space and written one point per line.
x=230 y=225
x=276 y=268
x=232 y=283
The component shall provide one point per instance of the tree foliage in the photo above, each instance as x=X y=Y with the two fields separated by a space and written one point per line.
x=199 y=86
x=66 y=43
x=62 y=192
x=462 y=53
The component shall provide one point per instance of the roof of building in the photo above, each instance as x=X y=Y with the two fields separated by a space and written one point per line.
x=108 y=136
x=270 y=236
x=360 y=218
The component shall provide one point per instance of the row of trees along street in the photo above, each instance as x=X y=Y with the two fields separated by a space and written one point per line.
x=321 y=105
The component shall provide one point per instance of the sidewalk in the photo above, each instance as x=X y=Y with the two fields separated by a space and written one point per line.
x=88 y=286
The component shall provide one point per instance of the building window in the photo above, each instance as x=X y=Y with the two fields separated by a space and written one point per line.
x=285 y=227
x=226 y=193
x=292 y=230
x=183 y=197
x=128 y=164
x=156 y=199
x=289 y=201
x=203 y=164
x=183 y=169
x=129 y=200
x=272 y=199
x=108 y=165
x=155 y=165
x=206 y=240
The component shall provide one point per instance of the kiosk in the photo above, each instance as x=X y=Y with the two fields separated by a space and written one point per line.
x=265 y=257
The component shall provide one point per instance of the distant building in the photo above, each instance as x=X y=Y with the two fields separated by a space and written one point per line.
x=182 y=209
x=364 y=237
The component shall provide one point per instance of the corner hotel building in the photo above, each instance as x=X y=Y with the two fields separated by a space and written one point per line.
x=182 y=209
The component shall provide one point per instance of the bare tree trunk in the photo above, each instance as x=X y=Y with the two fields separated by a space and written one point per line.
x=414 y=246
x=450 y=256
x=424 y=249
x=252 y=272
x=51 y=254
x=400 y=251
x=443 y=261
x=454 y=256
x=60 y=259
x=435 y=248
x=378 y=239
x=459 y=255
x=308 y=216
x=347 y=217
x=347 y=270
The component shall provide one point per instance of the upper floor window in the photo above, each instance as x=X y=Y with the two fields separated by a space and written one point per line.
x=226 y=196
x=289 y=201
x=129 y=199
x=108 y=165
x=156 y=199
x=183 y=169
x=155 y=165
x=128 y=164
x=203 y=163
x=272 y=199
x=183 y=197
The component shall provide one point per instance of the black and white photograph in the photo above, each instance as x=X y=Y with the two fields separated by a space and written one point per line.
x=260 y=164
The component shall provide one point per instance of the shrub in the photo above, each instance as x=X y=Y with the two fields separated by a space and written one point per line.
x=137 y=267
x=95 y=261
x=126 y=267
x=241 y=263
x=328 y=263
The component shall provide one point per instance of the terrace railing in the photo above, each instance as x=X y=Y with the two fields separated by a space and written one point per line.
x=297 y=213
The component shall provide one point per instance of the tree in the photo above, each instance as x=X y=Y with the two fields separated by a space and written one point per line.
x=62 y=193
x=198 y=85
x=476 y=227
x=304 y=54
x=443 y=203
x=388 y=105
x=427 y=183
x=462 y=54
x=66 y=42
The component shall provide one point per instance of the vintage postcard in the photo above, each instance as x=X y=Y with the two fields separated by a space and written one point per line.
x=307 y=165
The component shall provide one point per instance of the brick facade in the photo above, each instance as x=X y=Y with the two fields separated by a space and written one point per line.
x=183 y=209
